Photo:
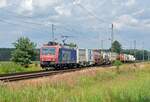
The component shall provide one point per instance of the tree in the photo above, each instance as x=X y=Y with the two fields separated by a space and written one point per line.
x=71 y=45
x=5 y=54
x=138 y=53
x=116 y=47
x=24 y=51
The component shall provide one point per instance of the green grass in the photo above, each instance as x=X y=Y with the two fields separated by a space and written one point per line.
x=10 y=67
x=107 y=86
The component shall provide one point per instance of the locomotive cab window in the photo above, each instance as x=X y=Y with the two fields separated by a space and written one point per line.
x=48 y=51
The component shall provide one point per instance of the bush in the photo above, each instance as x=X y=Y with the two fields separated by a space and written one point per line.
x=10 y=67
x=24 y=51
x=117 y=63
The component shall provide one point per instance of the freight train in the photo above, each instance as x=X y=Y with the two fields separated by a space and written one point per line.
x=57 y=56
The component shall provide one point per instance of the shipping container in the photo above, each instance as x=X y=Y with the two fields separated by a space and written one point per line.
x=90 y=56
x=131 y=58
x=98 y=58
x=126 y=58
x=113 y=56
x=106 y=57
x=82 y=57
x=121 y=57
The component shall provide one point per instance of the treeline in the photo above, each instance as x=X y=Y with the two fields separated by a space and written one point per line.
x=5 y=54
x=139 y=54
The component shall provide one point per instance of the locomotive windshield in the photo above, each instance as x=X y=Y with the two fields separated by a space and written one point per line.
x=48 y=51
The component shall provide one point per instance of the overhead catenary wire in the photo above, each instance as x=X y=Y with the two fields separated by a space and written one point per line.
x=22 y=17
x=7 y=22
x=32 y=27
x=40 y=24
x=16 y=14
x=37 y=24
x=16 y=24
x=90 y=12
x=33 y=23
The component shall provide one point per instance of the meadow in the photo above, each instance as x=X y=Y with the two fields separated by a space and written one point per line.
x=10 y=67
x=130 y=85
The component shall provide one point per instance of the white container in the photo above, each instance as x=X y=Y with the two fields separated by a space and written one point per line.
x=90 y=56
x=85 y=57
x=106 y=57
x=81 y=56
x=113 y=56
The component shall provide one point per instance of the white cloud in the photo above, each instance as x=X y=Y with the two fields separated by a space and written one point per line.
x=125 y=20
x=129 y=21
x=132 y=14
x=63 y=10
x=3 y=3
x=130 y=2
x=139 y=12
x=145 y=23
x=75 y=2
x=116 y=2
x=26 y=7
x=45 y=3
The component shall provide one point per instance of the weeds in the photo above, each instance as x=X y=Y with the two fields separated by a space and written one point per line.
x=102 y=87
x=10 y=67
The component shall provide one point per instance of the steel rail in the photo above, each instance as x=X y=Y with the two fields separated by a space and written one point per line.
x=42 y=73
x=23 y=76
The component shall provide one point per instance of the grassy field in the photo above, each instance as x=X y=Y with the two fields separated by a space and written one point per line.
x=10 y=67
x=131 y=85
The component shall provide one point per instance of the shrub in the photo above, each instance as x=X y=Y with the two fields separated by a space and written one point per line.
x=24 y=51
x=117 y=63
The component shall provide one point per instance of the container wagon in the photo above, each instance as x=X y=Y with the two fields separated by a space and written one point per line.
x=82 y=57
x=106 y=57
x=90 y=57
x=98 y=58
x=113 y=56
x=131 y=58
x=121 y=57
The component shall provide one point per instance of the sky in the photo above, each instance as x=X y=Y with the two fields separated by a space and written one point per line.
x=87 y=22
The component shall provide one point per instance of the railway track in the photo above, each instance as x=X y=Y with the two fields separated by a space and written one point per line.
x=30 y=75
x=37 y=74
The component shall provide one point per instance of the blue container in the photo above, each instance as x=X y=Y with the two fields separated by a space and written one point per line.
x=67 y=55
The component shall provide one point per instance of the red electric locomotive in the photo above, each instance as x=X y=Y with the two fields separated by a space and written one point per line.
x=53 y=55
